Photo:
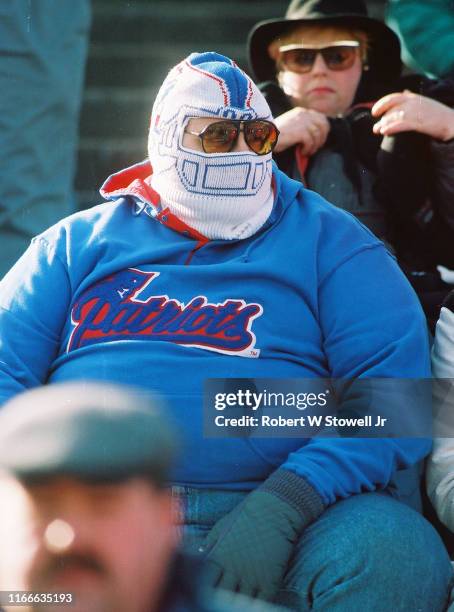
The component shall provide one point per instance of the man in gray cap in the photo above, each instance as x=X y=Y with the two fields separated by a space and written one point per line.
x=86 y=522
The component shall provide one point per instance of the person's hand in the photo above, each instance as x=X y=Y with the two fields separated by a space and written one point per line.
x=302 y=126
x=406 y=111
x=248 y=550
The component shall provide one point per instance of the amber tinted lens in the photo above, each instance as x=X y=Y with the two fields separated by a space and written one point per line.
x=339 y=58
x=302 y=60
x=298 y=60
x=219 y=137
x=260 y=136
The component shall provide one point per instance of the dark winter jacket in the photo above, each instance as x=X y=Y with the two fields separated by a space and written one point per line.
x=401 y=187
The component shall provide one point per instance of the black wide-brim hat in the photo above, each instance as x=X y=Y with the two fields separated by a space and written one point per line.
x=384 y=47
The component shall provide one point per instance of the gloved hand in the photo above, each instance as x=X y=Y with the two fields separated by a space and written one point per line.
x=248 y=550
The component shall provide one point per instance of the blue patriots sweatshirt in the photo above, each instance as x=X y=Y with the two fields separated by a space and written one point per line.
x=122 y=293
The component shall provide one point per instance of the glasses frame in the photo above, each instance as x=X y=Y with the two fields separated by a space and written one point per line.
x=239 y=124
x=317 y=48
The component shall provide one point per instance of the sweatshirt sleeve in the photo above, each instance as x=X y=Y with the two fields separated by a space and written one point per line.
x=440 y=466
x=373 y=327
x=34 y=300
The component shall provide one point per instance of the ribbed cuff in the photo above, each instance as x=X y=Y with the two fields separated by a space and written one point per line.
x=296 y=492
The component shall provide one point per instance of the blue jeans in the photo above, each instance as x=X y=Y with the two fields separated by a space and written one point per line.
x=43 y=47
x=368 y=553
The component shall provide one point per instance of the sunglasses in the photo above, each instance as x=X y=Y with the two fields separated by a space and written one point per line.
x=220 y=137
x=299 y=58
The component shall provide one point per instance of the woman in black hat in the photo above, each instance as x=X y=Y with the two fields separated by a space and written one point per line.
x=358 y=133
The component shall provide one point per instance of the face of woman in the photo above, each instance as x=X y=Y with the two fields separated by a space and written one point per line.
x=330 y=92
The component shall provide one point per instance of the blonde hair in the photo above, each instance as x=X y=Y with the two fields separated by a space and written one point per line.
x=315 y=33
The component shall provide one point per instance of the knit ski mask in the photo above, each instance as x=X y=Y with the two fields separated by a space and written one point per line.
x=221 y=195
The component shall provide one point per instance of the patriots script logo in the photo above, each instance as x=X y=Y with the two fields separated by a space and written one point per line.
x=122 y=307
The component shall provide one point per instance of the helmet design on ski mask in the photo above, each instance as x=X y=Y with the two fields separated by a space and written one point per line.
x=221 y=195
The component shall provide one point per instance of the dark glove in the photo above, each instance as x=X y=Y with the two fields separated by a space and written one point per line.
x=248 y=550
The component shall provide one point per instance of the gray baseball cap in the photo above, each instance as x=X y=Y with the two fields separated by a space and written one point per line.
x=92 y=431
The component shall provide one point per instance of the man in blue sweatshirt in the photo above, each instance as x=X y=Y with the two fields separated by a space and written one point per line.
x=208 y=262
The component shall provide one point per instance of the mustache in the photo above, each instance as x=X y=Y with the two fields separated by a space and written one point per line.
x=73 y=561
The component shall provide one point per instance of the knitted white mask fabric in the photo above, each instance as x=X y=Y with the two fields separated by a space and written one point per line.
x=222 y=195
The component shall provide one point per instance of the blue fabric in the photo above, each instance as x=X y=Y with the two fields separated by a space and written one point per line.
x=107 y=294
x=43 y=46
x=368 y=553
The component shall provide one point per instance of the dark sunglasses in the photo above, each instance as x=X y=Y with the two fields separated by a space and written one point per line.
x=220 y=137
x=298 y=58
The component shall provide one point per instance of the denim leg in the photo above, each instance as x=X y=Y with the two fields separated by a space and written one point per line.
x=368 y=553
x=43 y=48
x=200 y=509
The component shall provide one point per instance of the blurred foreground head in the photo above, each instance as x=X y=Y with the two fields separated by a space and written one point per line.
x=84 y=510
